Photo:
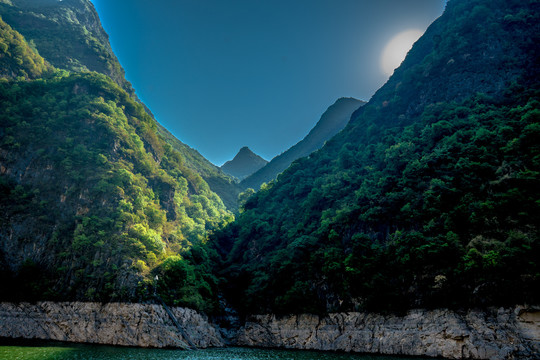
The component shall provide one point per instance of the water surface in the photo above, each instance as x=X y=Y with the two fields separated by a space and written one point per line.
x=60 y=351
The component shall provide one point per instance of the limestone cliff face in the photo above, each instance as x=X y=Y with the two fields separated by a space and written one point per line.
x=477 y=334
x=113 y=323
x=493 y=334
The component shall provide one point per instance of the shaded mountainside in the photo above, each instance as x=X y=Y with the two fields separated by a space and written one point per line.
x=94 y=201
x=428 y=198
x=332 y=121
x=245 y=163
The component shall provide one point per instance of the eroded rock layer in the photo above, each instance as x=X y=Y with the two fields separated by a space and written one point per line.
x=113 y=323
x=475 y=334
x=494 y=334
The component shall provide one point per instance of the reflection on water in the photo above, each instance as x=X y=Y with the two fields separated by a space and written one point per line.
x=59 y=351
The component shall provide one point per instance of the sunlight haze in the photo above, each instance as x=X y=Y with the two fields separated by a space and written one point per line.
x=397 y=48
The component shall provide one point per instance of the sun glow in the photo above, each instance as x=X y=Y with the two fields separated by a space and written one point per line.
x=395 y=51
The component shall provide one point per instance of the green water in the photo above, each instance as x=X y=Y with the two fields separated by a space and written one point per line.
x=58 y=351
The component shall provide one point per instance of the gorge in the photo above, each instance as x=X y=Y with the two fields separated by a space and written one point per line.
x=413 y=230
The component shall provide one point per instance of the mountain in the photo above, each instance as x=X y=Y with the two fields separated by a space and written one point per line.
x=245 y=163
x=427 y=198
x=332 y=121
x=95 y=201
x=69 y=35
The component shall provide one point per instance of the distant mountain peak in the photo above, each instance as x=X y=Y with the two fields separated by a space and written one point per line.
x=245 y=149
x=245 y=163
x=334 y=119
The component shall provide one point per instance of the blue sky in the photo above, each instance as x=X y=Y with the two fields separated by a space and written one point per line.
x=222 y=74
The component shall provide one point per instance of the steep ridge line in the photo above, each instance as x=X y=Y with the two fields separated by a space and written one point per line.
x=332 y=121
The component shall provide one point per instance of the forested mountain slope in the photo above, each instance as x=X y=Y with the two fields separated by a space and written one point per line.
x=332 y=121
x=17 y=58
x=430 y=197
x=94 y=202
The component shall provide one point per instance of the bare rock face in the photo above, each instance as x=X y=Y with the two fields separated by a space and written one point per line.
x=477 y=334
x=494 y=334
x=113 y=323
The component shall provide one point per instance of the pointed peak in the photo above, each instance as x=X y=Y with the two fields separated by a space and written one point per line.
x=247 y=152
x=244 y=163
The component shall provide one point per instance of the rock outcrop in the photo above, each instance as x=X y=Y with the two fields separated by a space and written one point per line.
x=493 y=334
x=124 y=324
x=477 y=334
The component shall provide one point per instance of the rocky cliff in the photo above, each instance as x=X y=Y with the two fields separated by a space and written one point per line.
x=493 y=334
x=477 y=334
x=113 y=323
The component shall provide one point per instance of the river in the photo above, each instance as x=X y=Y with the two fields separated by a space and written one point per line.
x=61 y=351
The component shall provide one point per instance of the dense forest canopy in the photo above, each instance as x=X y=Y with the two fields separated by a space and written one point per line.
x=430 y=197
